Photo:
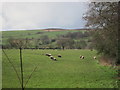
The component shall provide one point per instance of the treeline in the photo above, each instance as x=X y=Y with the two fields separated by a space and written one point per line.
x=76 y=35
x=103 y=16
x=71 y=40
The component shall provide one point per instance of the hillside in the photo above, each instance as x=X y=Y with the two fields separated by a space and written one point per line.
x=37 y=34
x=67 y=72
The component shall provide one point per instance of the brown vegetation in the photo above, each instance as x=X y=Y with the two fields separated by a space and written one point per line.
x=52 y=30
x=107 y=61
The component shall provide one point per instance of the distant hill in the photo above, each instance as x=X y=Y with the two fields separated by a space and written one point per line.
x=61 y=29
x=52 y=33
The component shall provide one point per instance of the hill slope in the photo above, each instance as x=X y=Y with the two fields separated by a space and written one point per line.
x=37 y=34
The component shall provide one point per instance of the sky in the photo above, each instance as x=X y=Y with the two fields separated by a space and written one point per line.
x=38 y=15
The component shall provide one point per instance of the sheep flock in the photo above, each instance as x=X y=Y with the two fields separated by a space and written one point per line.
x=60 y=56
x=52 y=57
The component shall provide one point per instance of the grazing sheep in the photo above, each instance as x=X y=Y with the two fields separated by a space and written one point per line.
x=82 y=57
x=54 y=59
x=94 y=57
x=47 y=54
x=59 y=55
x=51 y=57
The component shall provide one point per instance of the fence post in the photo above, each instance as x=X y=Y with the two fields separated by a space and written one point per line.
x=21 y=66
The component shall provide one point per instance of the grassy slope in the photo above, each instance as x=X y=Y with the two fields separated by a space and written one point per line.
x=68 y=72
x=32 y=34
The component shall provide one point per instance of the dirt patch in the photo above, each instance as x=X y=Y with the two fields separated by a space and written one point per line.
x=53 y=30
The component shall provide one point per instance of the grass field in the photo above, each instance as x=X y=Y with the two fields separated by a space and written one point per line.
x=67 y=72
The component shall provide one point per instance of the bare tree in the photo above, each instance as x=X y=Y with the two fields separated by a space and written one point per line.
x=103 y=17
x=20 y=44
x=65 y=42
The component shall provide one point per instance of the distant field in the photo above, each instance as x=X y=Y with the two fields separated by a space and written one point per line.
x=68 y=72
x=34 y=34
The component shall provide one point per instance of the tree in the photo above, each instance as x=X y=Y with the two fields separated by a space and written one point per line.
x=103 y=17
x=80 y=44
x=45 y=39
x=37 y=43
x=65 y=43
x=18 y=43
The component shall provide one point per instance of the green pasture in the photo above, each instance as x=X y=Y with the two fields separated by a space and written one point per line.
x=67 y=72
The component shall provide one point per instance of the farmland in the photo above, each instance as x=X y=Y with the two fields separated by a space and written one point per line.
x=33 y=33
x=74 y=47
x=67 y=72
x=35 y=36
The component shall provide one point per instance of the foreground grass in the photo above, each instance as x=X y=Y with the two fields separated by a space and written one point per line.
x=68 y=72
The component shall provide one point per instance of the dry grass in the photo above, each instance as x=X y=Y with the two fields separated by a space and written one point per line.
x=106 y=61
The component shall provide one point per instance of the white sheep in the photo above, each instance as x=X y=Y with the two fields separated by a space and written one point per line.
x=82 y=57
x=55 y=59
x=47 y=54
x=94 y=57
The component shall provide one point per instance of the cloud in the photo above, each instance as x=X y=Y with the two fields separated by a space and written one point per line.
x=26 y=15
x=47 y=0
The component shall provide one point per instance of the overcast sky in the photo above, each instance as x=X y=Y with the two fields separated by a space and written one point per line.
x=33 y=15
